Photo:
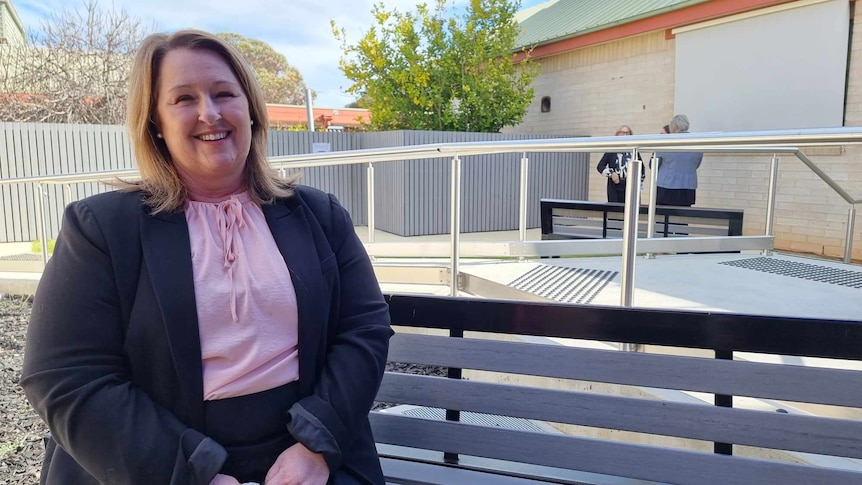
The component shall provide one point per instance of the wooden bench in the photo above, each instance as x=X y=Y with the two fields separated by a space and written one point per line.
x=623 y=434
x=578 y=219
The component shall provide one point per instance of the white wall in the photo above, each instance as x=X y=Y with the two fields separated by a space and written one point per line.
x=780 y=67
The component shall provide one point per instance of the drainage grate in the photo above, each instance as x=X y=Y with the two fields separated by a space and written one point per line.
x=568 y=285
x=469 y=417
x=806 y=271
x=22 y=257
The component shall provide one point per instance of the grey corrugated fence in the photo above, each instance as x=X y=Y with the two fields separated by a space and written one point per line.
x=412 y=197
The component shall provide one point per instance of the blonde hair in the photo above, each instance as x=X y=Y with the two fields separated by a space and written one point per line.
x=163 y=190
x=621 y=129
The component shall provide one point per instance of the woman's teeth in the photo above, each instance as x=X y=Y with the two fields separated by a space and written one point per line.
x=213 y=137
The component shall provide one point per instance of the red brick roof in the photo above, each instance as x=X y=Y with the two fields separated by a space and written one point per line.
x=281 y=115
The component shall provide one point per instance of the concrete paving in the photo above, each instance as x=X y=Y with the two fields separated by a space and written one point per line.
x=701 y=282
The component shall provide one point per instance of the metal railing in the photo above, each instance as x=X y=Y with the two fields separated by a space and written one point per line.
x=771 y=142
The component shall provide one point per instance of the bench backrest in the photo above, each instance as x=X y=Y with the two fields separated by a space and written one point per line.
x=529 y=355
x=574 y=219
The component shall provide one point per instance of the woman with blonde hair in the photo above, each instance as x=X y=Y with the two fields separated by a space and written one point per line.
x=211 y=324
x=615 y=166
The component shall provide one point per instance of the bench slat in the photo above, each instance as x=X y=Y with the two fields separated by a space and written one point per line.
x=810 y=434
x=579 y=231
x=597 y=456
x=526 y=473
x=572 y=222
x=699 y=230
x=771 y=381
x=577 y=213
x=405 y=472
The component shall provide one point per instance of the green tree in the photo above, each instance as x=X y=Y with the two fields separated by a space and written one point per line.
x=439 y=69
x=281 y=82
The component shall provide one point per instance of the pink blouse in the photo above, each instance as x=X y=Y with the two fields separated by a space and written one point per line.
x=246 y=303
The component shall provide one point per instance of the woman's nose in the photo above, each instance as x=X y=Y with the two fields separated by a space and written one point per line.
x=209 y=111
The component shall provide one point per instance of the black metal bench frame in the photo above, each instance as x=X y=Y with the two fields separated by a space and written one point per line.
x=426 y=451
x=670 y=221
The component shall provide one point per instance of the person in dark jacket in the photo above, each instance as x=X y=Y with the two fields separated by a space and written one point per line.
x=211 y=324
x=615 y=166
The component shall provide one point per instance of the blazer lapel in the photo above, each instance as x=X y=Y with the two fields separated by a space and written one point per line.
x=167 y=255
x=292 y=233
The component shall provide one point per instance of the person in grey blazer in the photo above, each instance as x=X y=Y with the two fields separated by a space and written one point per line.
x=211 y=272
x=677 y=171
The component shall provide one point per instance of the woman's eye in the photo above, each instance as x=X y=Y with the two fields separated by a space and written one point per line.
x=225 y=94
x=184 y=97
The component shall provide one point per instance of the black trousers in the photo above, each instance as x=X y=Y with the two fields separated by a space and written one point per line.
x=253 y=430
x=616 y=192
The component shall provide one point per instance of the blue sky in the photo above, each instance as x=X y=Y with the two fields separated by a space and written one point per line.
x=299 y=29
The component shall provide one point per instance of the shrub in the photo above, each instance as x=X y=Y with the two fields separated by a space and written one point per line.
x=37 y=245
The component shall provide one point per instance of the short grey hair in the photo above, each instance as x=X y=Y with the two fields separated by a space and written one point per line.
x=679 y=124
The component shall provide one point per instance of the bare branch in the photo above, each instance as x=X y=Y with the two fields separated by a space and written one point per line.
x=76 y=70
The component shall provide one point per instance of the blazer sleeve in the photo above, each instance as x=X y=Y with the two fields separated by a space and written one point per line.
x=605 y=160
x=329 y=420
x=76 y=376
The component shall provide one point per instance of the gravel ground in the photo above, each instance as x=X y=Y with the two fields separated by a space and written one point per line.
x=21 y=431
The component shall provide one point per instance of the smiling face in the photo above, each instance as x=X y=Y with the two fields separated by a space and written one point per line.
x=202 y=113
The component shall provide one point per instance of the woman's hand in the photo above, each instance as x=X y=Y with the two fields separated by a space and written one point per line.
x=298 y=465
x=615 y=177
x=224 y=480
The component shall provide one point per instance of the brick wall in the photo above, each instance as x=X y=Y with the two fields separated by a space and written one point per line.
x=631 y=81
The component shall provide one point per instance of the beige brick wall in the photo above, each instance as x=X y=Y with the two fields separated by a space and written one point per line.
x=595 y=89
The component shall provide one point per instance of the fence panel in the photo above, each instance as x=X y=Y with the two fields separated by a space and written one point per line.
x=411 y=197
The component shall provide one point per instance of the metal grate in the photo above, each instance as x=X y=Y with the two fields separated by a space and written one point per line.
x=806 y=271
x=479 y=419
x=22 y=257
x=567 y=285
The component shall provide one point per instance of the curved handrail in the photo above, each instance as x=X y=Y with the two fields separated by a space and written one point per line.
x=774 y=141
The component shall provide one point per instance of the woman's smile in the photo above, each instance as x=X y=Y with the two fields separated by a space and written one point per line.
x=203 y=116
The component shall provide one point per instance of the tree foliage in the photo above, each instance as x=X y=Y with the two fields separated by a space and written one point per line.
x=437 y=69
x=281 y=82
x=75 y=69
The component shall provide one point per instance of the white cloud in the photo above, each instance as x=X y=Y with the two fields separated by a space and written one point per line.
x=299 y=29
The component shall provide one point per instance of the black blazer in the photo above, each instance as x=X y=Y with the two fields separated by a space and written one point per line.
x=610 y=160
x=113 y=359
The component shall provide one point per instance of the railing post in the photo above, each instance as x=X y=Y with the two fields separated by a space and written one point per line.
x=371 y=222
x=67 y=194
x=770 y=201
x=522 y=203
x=848 y=241
x=309 y=110
x=653 y=189
x=455 y=222
x=630 y=237
x=43 y=231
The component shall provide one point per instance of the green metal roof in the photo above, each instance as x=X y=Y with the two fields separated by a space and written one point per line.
x=561 y=19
